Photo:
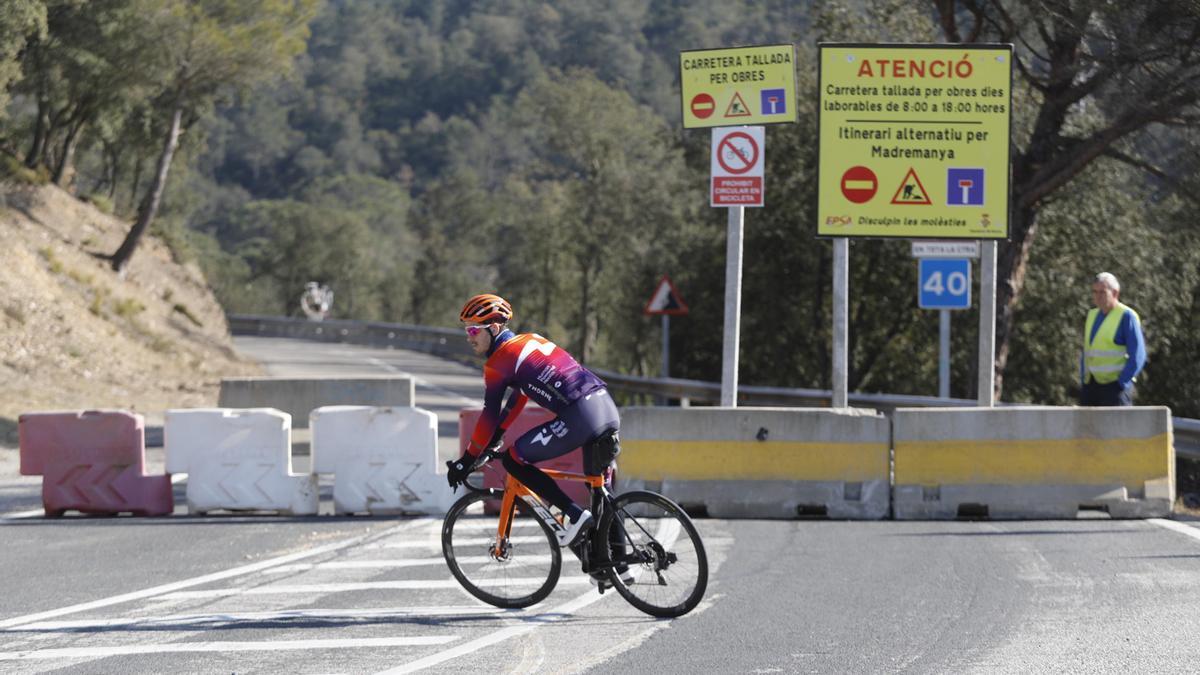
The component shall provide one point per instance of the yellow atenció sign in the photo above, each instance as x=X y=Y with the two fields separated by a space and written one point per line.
x=914 y=141
x=738 y=86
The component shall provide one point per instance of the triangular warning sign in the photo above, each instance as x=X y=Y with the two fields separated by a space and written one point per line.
x=737 y=107
x=911 y=191
x=665 y=300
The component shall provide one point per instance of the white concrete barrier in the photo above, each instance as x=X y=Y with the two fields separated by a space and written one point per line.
x=1032 y=462
x=300 y=396
x=384 y=459
x=760 y=462
x=237 y=460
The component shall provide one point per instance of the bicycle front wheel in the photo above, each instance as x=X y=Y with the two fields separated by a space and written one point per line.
x=515 y=572
x=660 y=565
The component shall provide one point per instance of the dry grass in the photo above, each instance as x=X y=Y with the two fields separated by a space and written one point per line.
x=74 y=335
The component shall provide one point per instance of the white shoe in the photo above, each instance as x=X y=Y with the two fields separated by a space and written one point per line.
x=572 y=532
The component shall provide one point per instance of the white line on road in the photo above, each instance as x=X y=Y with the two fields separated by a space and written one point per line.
x=669 y=528
x=1176 y=526
x=528 y=624
x=205 y=579
x=426 y=383
x=278 y=645
x=21 y=515
x=233 y=618
x=374 y=564
x=405 y=585
x=475 y=541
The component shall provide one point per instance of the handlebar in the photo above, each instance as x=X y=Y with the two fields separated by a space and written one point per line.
x=485 y=457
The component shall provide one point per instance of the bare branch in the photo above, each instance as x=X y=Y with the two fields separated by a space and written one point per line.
x=1143 y=165
x=945 y=10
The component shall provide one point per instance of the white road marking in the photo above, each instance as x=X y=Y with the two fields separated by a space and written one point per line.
x=1176 y=526
x=200 y=580
x=348 y=587
x=667 y=532
x=426 y=383
x=19 y=515
x=278 y=645
x=373 y=564
x=476 y=541
x=529 y=624
x=231 y=618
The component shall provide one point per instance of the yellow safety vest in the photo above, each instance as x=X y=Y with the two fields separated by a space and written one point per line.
x=1103 y=358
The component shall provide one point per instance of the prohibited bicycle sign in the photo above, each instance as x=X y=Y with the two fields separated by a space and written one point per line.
x=737 y=153
x=737 y=166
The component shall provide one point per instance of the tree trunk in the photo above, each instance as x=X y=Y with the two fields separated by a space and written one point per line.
x=40 y=130
x=135 y=184
x=1011 y=265
x=149 y=206
x=68 y=153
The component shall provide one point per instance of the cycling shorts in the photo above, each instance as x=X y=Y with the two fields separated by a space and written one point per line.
x=584 y=420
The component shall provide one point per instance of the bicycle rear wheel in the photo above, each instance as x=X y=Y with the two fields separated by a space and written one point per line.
x=521 y=572
x=663 y=553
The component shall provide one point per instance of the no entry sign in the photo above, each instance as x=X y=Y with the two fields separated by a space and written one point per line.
x=737 y=166
x=703 y=106
x=859 y=184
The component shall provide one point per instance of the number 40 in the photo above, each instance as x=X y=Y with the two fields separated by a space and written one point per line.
x=956 y=283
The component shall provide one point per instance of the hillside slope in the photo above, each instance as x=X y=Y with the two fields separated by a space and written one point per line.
x=75 y=335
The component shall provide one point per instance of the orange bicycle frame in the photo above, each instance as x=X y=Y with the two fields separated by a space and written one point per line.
x=514 y=488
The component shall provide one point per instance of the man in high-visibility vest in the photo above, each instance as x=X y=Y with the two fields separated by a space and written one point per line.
x=1114 y=350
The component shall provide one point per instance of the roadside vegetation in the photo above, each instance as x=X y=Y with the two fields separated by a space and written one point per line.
x=410 y=153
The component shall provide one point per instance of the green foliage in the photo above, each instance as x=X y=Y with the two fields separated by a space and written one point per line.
x=52 y=262
x=410 y=153
x=101 y=202
x=187 y=313
x=99 y=294
x=12 y=169
x=19 y=20
x=127 y=308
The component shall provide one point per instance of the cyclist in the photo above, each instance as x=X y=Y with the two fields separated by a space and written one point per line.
x=534 y=368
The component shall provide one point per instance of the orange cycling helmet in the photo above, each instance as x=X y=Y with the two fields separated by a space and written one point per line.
x=486 y=308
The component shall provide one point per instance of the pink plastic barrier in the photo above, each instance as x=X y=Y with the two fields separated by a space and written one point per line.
x=531 y=417
x=93 y=462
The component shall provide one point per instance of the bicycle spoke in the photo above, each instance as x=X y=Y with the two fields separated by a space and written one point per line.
x=520 y=572
x=666 y=565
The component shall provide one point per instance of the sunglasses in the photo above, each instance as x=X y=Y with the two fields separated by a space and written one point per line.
x=473 y=330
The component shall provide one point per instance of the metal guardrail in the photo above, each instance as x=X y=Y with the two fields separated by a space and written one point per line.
x=449 y=343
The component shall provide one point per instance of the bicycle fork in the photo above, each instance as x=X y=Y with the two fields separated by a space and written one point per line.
x=508 y=509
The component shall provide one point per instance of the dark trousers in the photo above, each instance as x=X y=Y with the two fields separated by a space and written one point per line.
x=1111 y=394
x=586 y=419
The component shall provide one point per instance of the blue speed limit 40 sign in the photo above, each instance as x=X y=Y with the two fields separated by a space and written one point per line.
x=944 y=283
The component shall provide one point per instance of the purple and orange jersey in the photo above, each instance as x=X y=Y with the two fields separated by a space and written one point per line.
x=537 y=369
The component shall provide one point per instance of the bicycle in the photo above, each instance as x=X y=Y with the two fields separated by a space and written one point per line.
x=654 y=556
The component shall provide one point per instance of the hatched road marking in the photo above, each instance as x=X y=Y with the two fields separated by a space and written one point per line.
x=1176 y=526
x=273 y=646
x=205 y=579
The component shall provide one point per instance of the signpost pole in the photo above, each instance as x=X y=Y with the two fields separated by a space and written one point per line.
x=733 y=306
x=666 y=347
x=944 y=355
x=841 y=287
x=987 y=325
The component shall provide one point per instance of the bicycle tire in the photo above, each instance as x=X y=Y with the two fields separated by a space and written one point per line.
x=653 y=527
x=533 y=559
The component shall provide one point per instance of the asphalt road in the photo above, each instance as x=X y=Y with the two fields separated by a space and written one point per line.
x=325 y=594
